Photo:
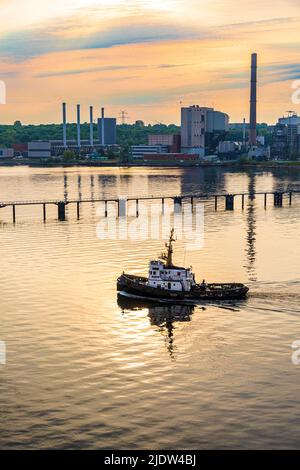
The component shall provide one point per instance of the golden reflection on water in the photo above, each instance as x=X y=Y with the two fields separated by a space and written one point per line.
x=86 y=371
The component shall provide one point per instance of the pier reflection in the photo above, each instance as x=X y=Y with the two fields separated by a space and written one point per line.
x=163 y=316
x=65 y=187
x=251 y=229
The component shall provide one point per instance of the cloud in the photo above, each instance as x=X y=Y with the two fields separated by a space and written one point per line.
x=281 y=67
x=108 y=68
x=171 y=66
x=269 y=73
x=132 y=27
x=21 y=45
x=164 y=95
x=264 y=23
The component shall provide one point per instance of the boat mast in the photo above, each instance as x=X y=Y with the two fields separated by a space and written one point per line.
x=168 y=256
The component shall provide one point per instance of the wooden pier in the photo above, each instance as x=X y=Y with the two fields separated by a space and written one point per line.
x=278 y=198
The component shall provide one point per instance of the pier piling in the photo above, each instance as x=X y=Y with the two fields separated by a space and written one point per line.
x=122 y=208
x=61 y=210
x=177 y=205
x=44 y=212
x=229 y=202
x=14 y=213
x=78 y=210
x=278 y=199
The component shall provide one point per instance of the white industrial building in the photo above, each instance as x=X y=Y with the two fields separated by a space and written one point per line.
x=229 y=147
x=138 y=151
x=39 y=149
x=6 y=153
x=293 y=120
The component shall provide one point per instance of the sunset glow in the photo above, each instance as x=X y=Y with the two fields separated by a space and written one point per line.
x=146 y=56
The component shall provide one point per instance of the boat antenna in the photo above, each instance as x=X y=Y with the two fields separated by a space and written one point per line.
x=168 y=256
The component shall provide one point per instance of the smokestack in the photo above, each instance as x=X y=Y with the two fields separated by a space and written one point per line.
x=244 y=132
x=253 y=100
x=91 y=127
x=64 y=111
x=102 y=127
x=78 y=126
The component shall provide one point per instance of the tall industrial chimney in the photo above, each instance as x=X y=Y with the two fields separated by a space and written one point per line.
x=64 y=111
x=102 y=127
x=91 y=127
x=78 y=126
x=244 y=133
x=253 y=101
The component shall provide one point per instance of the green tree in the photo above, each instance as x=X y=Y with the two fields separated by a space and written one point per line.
x=68 y=156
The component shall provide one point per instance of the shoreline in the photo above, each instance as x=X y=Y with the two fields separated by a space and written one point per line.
x=257 y=165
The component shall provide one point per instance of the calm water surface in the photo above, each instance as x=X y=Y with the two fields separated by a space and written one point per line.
x=83 y=371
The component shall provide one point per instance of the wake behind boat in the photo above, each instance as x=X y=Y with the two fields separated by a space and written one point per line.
x=169 y=282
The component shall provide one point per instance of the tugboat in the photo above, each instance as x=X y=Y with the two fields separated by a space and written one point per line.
x=167 y=282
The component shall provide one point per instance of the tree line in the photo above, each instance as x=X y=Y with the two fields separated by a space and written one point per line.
x=127 y=134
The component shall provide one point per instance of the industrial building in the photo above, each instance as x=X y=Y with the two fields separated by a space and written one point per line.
x=45 y=149
x=107 y=138
x=259 y=153
x=110 y=131
x=39 y=149
x=107 y=130
x=58 y=148
x=286 y=137
x=291 y=120
x=201 y=127
x=20 y=150
x=141 y=151
x=171 y=157
x=229 y=148
x=7 y=153
x=173 y=141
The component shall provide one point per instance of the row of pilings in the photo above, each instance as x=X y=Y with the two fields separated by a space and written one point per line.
x=278 y=198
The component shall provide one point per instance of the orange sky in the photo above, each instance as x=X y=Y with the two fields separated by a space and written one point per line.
x=146 y=57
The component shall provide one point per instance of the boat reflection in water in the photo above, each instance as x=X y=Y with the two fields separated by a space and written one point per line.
x=161 y=314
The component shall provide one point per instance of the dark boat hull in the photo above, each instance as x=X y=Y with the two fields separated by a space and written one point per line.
x=135 y=285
